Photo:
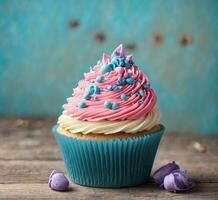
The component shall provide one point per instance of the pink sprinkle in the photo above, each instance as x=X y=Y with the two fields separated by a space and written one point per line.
x=95 y=98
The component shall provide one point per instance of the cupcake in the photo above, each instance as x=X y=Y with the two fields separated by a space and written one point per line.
x=109 y=130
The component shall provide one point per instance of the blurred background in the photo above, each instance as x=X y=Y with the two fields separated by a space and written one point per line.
x=46 y=45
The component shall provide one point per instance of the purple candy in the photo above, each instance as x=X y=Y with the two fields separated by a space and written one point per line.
x=118 y=52
x=57 y=181
x=129 y=59
x=160 y=174
x=177 y=181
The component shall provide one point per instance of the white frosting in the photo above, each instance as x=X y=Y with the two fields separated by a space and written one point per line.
x=110 y=127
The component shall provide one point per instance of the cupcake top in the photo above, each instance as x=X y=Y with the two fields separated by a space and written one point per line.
x=115 y=91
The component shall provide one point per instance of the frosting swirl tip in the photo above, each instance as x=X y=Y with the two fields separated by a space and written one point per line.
x=113 y=90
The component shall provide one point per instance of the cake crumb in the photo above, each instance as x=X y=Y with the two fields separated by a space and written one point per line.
x=200 y=147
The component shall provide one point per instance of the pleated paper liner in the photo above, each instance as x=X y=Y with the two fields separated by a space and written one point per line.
x=109 y=163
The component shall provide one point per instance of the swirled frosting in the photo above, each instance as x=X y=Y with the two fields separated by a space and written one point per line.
x=110 y=127
x=115 y=93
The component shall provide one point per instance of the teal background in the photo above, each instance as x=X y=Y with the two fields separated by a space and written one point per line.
x=42 y=57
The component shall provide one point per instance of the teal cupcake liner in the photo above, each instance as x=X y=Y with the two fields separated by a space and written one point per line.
x=109 y=163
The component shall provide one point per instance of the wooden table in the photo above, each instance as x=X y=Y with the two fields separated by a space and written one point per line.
x=28 y=153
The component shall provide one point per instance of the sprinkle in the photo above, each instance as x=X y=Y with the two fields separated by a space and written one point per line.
x=141 y=101
x=95 y=98
x=82 y=104
x=129 y=81
x=120 y=80
x=129 y=58
x=119 y=62
x=115 y=62
x=90 y=90
x=114 y=65
x=109 y=87
x=96 y=90
x=126 y=75
x=123 y=97
x=119 y=52
x=86 y=96
x=146 y=85
x=132 y=92
x=114 y=106
x=114 y=87
x=141 y=92
x=140 y=80
x=127 y=65
x=122 y=62
x=107 y=68
x=99 y=79
x=107 y=104
x=93 y=89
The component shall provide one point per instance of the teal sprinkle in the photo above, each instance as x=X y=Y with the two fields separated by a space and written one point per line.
x=96 y=90
x=146 y=85
x=107 y=104
x=93 y=89
x=86 y=96
x=130 y=80
x=127 y=65
x=115 y=62
x=109 y=87
x=140 y=80
x=114 y=87
x=114 y=106
x=107 y=68
x=141 y=92
x=141 y=101
x=122 y=62
x=90 y=90
x=113 y=65
x=123 y=97
x=99 y=79
x=119 y=62
x=120 y=80
x=82 y=104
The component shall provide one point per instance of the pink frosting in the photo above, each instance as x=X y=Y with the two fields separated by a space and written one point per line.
x=95 y=110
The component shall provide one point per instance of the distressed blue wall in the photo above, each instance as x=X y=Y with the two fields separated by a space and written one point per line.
x=42 y=57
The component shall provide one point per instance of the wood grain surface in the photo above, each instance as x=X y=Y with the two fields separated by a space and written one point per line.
x=28 y=153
